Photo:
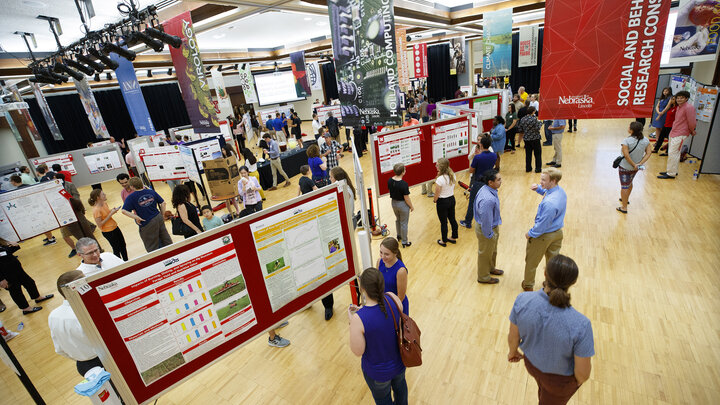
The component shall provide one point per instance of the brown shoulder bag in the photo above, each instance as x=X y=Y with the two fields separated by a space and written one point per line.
x=408 y=335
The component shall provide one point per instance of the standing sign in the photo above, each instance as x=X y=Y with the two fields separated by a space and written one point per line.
x=91 y=108
x=363 y=37
x=313 y=73
x=528 y=46
x=497 y=43
x=191 y=75
x=224 y=104
x=420 y=60
x=696 y=31
x=47 y=114
x=132 y=94
x=402 y=62
x=601 y=58
x=248 y=84
x=297 y=63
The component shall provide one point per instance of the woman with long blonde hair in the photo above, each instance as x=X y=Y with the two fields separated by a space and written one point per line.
x=445 y=201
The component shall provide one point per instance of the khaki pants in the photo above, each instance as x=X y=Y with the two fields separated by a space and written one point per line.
x=281 y=136
x=674 y=147
x=275 y=167
x=154 y=235
x=557 y=145
x=487 y=252
x=548 y=245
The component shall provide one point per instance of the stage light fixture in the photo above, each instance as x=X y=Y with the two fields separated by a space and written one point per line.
x=154 y=44
x=108 y=47
x=171 y=40
x=97 y=77
x=235 y=66
x=149 y=73
x=170 y=72
x=61 y=67
x=243 y=66
x=79 y=66
x=44 y=71
x=108 y=76
x=99 y=67
x=104 y=59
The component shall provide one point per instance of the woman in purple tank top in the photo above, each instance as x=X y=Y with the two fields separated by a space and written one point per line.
x=394 y=271
x=372 y=336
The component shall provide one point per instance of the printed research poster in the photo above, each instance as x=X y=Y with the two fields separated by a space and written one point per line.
x=177 y=309
x=300 y=248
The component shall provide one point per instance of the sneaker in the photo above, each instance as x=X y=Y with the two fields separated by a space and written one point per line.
x=278 y=341
x=10 y=335
x=72 y=253
x=282 y=325
x=550 y=163
x=430 y=195
x=50 y=241
x=45 y=239
x=465 y=224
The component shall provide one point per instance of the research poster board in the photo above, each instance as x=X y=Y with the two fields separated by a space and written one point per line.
x=65 y=160
x=89 y=165
x=705 y=102
x=475 y=123
x=323 y=113
x=278 y=109
x=164 y=163
x=137 y=147
x=169 y=314
x=30 y=211
x=208 y=148
x=489 y=105
x=102 y=161
x=187 y=156
x=416 y=147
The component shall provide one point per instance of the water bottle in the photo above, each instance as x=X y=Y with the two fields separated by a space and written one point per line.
x=695 y=175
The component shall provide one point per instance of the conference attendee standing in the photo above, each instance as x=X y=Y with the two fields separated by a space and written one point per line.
x=394 y=271
x=557 y=128
x=251 y=164
x=103 y=216
x=444 y=199
x=249 y=191
x=511 y=121
x=279 y=127
x=523 y=95
x=498 y=138
x=683 y=126
x=318 y=166
x=333 y=126
x=93 y=261
x=635 y=148
x=316 y=125
x=572 y=125
x=26 y=176
x=372 y=336
x=556 y=340
x=296 y=129
x=270 y=126
x=487 y=227
x=186 y=211
x=529 y=126
x=14 y=278
x=141 y=206
x=667 y=127
x=660 y=110
x=124 y=180
x=481 y=163
x=546 y=235
x=273 y=151
x=330 y=149
x=401 y=204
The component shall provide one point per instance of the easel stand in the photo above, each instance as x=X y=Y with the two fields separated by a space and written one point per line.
x=34 y=394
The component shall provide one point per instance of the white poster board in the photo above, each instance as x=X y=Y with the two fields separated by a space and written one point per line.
x=279 y=109
x=475 y=123
x=209 y=149
x=323 y=113
x=64 y=160
x=187 y=156
x=164 y=163
x=30 y=211
x=102 y=161
x=450 y=140
x=400 y=147
x=137 y=147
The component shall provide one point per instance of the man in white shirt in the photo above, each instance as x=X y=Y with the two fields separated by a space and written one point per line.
x=92 y=260
x=67 y=334
x=316 y=124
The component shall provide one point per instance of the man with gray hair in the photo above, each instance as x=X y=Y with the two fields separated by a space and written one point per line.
x=92 y=260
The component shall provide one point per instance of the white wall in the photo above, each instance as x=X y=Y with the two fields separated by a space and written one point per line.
x=10 y=151
x=703 y=71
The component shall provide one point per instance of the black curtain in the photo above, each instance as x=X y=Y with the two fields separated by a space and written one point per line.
x=329 y=80
x=526 y=76
x=164 y=102
x=440 y=83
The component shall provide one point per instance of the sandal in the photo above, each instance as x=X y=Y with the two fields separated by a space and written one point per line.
x=441 y=243
x=41 y=299
x=621 y=210
x=34 y=309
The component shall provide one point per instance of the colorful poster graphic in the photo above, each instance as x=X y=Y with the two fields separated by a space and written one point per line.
x=47 y=114
x=402 y=62
x=497 y=43
x=314 y=76
x=224 y=104
x=177 y=309
x=400 y=147
x=26 y=115
x=98 y=162
x=132 y=94
x=528 y=45
x=297 y=63
x=91 y=108
x=248 y=84
x=705 y=103
x=164 y=163
x=191 y=75
x=601 y=58
x=696 y=31
x=420 y=60
x=450 y=140
x=363 y=37
x=457 y=56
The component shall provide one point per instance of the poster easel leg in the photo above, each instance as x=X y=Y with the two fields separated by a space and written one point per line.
x=34 y=394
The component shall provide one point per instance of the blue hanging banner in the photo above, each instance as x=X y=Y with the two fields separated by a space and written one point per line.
x=130 y=88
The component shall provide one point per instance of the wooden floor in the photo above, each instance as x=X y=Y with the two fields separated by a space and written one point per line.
x=648 y=282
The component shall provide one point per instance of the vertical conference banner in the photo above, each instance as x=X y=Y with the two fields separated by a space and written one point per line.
x=528 y=45
x=191 y=75
x=91 y=108
x=420 y=60
x=47 y=114
x=132 y=94
x=601 y=58
x=497 y=43
x=224 y=104
x=297 y=63
x=457 y=56
x=402 y=61
x=29 y=123
x=248 y=84
x=696 y=31
x=314 y=77
x=363 y=37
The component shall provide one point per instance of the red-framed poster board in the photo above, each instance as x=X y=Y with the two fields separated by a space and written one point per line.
x=419 y=147
x=163 y=317
x=487 y=104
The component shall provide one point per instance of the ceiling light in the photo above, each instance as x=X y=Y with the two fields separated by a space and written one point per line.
x=149 y=73
x=307 y=18
x=320 y=23
x=218 y=36
x=104 y=59
x=170 y=72
x=108 y=76
x=110 y=47
x=34 y=3
x=97 y=77
x=171 y=40
x=312 y=5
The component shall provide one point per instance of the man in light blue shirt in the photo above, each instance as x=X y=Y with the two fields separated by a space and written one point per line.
x=545 y=237
x=273 y=151
x=557 y=129
x=487 y=222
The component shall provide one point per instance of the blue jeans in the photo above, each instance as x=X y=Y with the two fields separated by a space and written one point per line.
x=470 y=213
x=548 y=134
x=381 y=390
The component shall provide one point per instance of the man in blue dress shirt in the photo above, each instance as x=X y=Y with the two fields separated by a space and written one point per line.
x=487 y=227
x=545 y=237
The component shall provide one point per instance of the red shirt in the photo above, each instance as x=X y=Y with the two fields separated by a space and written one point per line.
x=68 y=176
x=670 y=117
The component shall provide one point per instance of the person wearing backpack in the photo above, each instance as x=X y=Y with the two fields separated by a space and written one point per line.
x=372 y=336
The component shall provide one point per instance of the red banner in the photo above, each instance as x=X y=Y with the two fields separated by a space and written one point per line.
x=420 y=60
x=601 y=58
